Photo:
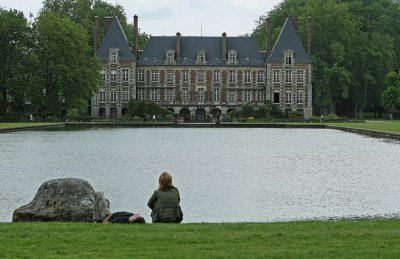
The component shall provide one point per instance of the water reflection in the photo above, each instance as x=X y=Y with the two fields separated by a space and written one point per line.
x=224 y=175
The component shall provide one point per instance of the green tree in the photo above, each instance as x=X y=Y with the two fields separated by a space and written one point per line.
x=354 y=46
x=14 y=52
x=83 y=11
x=67 y=73
x=391 y=96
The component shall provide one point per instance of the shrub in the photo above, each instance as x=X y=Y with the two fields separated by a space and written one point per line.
x=169 y=117
x=296 y=115
x=331 y=116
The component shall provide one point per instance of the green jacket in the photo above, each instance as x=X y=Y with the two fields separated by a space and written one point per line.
x=165 y=206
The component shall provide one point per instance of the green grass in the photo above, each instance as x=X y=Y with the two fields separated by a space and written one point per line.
x=5 y=125
x=340 y=239
x=385 y=126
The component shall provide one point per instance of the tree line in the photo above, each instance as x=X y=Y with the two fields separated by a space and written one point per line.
x=355 y=52
x=46 y=64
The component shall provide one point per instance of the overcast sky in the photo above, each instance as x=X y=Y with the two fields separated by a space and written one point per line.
x=189 y=17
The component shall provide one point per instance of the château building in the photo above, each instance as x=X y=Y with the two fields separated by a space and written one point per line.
x=201 y=77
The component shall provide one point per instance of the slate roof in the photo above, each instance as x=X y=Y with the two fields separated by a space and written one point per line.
x=155 y=51
x=288 y=39
x=115 y=38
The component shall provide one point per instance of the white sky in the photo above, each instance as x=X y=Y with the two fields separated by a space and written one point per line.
x=189 y=17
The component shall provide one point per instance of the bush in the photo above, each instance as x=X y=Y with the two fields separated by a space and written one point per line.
x=331 y=116
x=73 y=113
x=169 y=117
x=143 y=108
x=14 y=116
x=295 y=115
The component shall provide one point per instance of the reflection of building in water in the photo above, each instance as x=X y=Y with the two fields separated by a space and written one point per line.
x=201 y=77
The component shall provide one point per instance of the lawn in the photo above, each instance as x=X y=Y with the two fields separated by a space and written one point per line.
x=392 y=126
x=5 y=125
x=312 y=239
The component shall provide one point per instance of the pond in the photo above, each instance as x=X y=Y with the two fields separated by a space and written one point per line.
x=224 y=175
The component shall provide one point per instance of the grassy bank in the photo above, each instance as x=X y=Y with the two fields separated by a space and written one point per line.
x=6 y=125
x=349 y=239
x=384 y=126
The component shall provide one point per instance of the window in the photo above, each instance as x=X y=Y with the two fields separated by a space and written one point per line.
x=247 y=96
x=113 y=96
x=170 y=57
x=185 y=76
x=185 y=95
x=170 y=76
x=113 y=56
x=300 y=77
x=232 y=76
x=232 y=96
x=125 y=75
x=102 y=97
x=141 y=76
x=141 y=94
x=154 y=76
x=216 y=95
x=288 y=76
x=125 y=95
x=261 y=95
x=247 y=76
x=260 y=76
x=276 y=76
x=232 y=57
x=168 y=95
x=200 y=76
x=200 y=95
x=103 y=75
x=154 y=95
x=113 y=75
x=216 y=76
x=276 y=98
x=201 y=57
x=300 y=98
x=288 y=97
x=289 y=58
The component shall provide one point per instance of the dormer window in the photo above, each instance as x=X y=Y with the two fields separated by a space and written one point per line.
x=232 y=57
x=113 y=57
x=288 y=54
x=170 y=57
x=201 y=57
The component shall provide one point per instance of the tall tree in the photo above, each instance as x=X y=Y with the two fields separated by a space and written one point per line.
x=83 y=11
x=354 y=45
x=14 y=38
x=391 y=96
x=67 y=72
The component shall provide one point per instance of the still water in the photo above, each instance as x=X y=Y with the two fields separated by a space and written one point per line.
x=224 y=175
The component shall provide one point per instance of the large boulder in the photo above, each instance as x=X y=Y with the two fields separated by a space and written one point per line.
x=66 y=199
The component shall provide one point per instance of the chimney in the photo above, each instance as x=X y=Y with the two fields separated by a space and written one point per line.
x=295 y=22
x=309 y=34
x=107 y=22
x=95 y=34
x=224 y=46
x=135 y=34
x=267 y=35
x=178 y=46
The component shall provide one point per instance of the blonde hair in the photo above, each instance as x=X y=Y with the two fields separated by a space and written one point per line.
x=165 y=181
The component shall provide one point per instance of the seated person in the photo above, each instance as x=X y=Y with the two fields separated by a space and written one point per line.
x=164 y=202
x=102 y=212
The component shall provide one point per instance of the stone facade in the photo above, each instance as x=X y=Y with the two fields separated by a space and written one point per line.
x=201 y=77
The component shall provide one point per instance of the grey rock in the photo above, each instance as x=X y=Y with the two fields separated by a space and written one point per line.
x=65 y=199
